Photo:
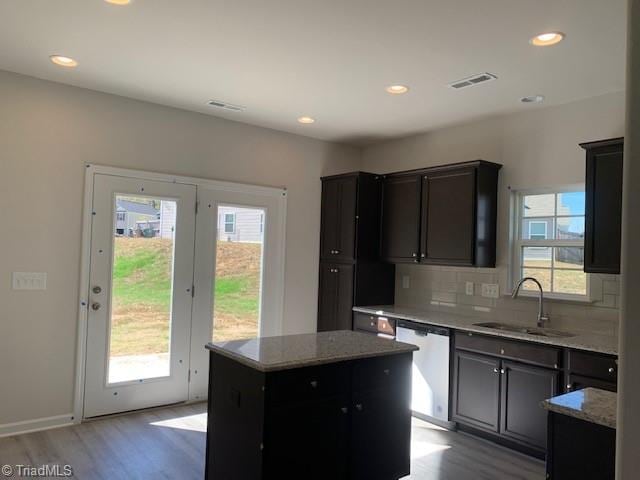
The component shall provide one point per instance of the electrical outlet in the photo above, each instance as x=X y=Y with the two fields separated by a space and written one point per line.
x=29 y=281
x=406 y=281
x=490 y=290
x=468 y=288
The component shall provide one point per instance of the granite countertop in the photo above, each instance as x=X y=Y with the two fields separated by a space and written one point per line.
x=591 y=404
x=293 y=351
x=581 y=341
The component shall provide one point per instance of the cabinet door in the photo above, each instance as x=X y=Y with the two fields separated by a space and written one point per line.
x=381 y=435
x=308 y=440
x=400 y=235
x=578 y=382
x=523 y=388
x=338 y=219
x=476 y=390
x=449 y=217
x=335 y=297
x=603 y=219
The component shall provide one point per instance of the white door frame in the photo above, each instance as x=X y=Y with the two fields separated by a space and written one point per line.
x=90 y=171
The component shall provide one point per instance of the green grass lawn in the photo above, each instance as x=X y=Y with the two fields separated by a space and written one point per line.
x=142 y=294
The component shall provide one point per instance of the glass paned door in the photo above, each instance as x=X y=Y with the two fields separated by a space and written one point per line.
x=238 y=273
x=141 y=276
x=141 y=288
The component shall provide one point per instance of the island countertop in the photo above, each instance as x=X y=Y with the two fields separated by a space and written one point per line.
x=591 y=404
x=294 y=351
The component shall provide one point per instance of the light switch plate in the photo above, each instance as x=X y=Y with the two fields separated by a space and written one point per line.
x=468 y=288
x=406 y=281
x=29 y=281
x=490 y=290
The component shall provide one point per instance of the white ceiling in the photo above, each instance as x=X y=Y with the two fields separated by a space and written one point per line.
x=329 y=59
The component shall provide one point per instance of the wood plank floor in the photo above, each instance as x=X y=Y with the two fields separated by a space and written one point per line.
x=170 y=443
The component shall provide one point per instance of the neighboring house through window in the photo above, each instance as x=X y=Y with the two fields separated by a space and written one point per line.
x=120 y=216
x=229 y=223
x=549 y=241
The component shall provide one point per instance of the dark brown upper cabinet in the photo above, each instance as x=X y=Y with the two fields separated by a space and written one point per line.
x=351 y=272
x=400 y=235
x=442 y=215
x=603 y=206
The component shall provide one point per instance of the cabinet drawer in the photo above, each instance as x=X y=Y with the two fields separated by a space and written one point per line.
x=382 y=372
x=309 y=383
x=514 y=350
x=602 y=367
x=374 y=323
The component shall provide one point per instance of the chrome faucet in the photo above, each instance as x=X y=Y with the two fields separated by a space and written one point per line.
x=543 y=319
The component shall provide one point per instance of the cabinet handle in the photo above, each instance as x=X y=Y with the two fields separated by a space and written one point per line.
x=359 y=407
x=337 y=252
x=423 y=255
x=344 y=410
x=502 y=351
x=611 y=370
x=502 y=371
x=569 y=386
x=414 y=255
x=313 y=383
x=495 y=370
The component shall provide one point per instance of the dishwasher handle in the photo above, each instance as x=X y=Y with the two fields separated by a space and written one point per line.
x=422 y=329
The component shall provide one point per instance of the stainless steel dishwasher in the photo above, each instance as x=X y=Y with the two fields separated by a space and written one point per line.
x=430 y=373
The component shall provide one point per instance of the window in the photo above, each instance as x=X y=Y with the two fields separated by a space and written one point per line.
x=261 y=222
x=229 y=223
x=549 y=242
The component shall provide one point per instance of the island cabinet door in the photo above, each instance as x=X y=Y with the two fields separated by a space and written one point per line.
x=476 y=390
x=381 y=418
x=308 y=440
x=523 y=389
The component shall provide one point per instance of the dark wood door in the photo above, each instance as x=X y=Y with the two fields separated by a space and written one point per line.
x=476 y=390
x=308 y=440
x=578 y=382
x=603 y=214
x=381 y=434
x=449 y=217
x=400 y=231
x=523 y=388
x=338 y=219
x=335 y=299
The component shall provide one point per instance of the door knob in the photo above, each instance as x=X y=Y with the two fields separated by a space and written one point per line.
x=96 y=289
x=95 y=306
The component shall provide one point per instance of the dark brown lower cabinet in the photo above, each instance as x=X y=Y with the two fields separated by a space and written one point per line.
x=500 y=398
x=339 y=421
x=523 y=388
x=476 y=390
x=580 y=449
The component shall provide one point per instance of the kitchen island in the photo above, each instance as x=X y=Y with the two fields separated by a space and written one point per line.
x=323 y=405
x=582 y=435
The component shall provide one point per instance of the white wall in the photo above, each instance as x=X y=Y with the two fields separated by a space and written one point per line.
x=47 y=132
x=537 y=148
x=628 y=460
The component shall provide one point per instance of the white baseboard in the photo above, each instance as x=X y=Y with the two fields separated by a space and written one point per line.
x=26 y=426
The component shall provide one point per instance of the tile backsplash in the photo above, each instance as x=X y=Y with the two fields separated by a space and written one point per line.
x=445 y=289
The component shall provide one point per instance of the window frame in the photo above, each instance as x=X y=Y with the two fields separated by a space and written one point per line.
x=517 y=242
x=225 y=223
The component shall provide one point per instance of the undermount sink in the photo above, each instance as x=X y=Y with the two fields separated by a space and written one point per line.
x=539 y=332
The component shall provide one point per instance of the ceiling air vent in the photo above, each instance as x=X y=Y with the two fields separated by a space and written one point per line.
x=472 y=80
x=226 y=106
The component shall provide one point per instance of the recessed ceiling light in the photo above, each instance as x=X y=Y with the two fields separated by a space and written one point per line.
x=118 y=2
x=306 y=120
x=547 y=39
x=63 y=61
x=533 y=99
x=397 y=89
